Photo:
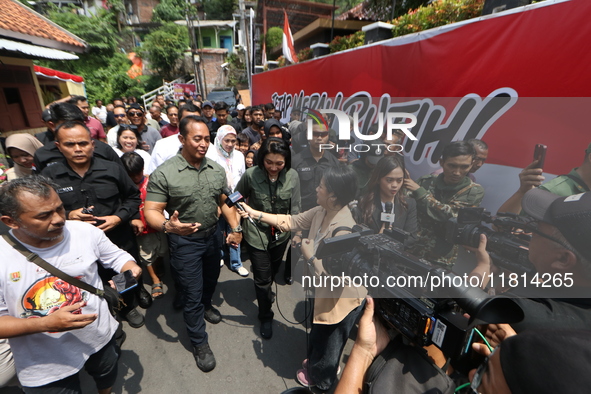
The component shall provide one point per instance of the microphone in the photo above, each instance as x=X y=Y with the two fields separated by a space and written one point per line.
x=234 y=200
x=387 y=216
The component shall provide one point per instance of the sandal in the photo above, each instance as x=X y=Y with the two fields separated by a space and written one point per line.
x=157 y=289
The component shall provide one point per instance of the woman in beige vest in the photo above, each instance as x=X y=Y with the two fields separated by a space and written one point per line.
x=336 y=311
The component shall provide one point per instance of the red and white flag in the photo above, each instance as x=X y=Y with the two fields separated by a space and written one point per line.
x=288 y=49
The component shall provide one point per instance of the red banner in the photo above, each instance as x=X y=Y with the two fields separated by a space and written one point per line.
x=512 y=79
x=181 y=88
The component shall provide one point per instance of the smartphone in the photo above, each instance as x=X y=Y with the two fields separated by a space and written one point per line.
x=124 y=281
x=540 y=154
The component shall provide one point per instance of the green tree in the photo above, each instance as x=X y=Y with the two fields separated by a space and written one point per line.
x=219 y=9
x=164 y=48
x=103 y=66
x=169 y=11
x=273 y=38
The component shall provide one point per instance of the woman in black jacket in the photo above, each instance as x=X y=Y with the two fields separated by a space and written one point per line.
x=384 y=204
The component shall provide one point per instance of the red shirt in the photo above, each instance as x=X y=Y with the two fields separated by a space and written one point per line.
x=143 y=192
x=96 y=128
x=169 y=130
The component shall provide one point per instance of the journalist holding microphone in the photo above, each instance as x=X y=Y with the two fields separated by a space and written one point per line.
x=336 y=310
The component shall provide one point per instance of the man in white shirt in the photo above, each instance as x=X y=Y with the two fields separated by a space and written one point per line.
x=100 y=112
x=55 y=328
x=169 y=146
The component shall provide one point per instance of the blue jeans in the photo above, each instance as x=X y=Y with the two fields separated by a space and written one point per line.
x=234 y=252
x=195 y=265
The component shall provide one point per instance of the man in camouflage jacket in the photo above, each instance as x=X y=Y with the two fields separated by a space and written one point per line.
x=439 y=198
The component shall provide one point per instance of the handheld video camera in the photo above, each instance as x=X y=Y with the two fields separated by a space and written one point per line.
x=423 y=315
x=506 y=249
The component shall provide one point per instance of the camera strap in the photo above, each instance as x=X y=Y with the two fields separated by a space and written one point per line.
x=36 y=259
x=582 y=186
x=341 y=228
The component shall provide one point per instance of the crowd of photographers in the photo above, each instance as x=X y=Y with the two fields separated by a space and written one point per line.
x=166 y=187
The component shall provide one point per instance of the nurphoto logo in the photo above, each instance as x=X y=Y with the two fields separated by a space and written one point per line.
x=393 y=121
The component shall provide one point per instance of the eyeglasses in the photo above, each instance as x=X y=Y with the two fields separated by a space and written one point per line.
x=119 y=116
x=135 y=114
x=320 y=134
x=482 y=368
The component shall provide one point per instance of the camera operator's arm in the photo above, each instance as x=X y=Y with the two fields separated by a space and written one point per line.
x=529 y=178
x=372 y=338
x=483 y=263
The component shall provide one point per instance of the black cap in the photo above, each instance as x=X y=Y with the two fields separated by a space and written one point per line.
x=46 y=115
x=570 y=215
x=374 y=155
x=547 y=361
x=135 y=106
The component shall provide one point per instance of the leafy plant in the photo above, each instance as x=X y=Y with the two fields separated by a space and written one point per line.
x=169 y=11
x=164 y=48
x=340 y=43
x=305 y=54
x=273 y=38
x=438 y=13
x=219 y=9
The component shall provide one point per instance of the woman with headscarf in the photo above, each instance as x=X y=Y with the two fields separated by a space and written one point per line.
x=223 y=152
x=21 y=148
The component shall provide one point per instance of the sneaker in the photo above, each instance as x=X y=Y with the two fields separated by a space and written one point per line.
x=134 y=318
x=242 y=271
x=204 y=357
x=266 y=329
x=221 y=262
x=212 y=315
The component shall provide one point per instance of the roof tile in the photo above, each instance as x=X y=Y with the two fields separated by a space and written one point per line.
x=20 y=19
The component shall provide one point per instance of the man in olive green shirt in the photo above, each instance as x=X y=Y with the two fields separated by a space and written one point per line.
x=578 y=180
x=190 y=187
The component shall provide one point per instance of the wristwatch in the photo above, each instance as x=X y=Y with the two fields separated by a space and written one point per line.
x=237 y=229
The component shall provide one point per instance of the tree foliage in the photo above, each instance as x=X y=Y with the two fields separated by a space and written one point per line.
x=165 y=47
x=104 y=66
x=169 y=11
x=219 y=9
x=273 y=38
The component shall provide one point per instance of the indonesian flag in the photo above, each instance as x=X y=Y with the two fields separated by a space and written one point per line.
x=288 y=50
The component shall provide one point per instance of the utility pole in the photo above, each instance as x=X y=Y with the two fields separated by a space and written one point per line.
x=245 y=40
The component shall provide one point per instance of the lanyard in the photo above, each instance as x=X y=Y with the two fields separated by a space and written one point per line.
x=272 y=194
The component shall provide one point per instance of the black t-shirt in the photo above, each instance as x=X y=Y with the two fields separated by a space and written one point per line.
x=310 y=173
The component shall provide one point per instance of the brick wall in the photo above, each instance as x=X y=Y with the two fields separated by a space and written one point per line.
x=212 y=60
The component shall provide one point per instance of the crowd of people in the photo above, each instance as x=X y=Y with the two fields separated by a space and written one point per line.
x=132 y=188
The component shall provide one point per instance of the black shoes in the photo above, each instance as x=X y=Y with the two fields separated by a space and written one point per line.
x=134 y=318
x=267 y=329
x=204 y=357
x=288 y=280
x=144 y=298
x=212 y=315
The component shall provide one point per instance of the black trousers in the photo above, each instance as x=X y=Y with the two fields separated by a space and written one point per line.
x=265 y=264
x=195 y=265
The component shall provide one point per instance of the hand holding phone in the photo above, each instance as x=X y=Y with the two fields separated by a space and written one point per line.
x=124 y=281
x=540 y=155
